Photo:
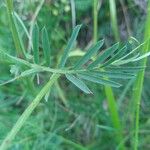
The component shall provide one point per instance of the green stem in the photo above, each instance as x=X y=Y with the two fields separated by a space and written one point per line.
x=114 y=116
x=95 y=21
x=113 y=15
x=16 y=37
x=108 y=90
x=73 y=144
x=20 y=50
x=138 y=86
x=7 y=141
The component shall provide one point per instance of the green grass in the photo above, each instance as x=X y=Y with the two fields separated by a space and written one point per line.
x=138 y=85
x=77 y=94
x=112 y=104
x=113 y=16
x=28 y=112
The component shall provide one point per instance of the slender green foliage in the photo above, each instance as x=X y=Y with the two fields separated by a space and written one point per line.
x=70 y=45
x=16 y=36
x=102 y=68
x=95 y=22
x=89 y=54
x=114 y=115
x=80 y=84
x=113 y=15
x=20 y=22
x=35 y=41
x=138 y=85
x=99 y=80
x=97 y=75
x=27 y=112
x=116 y=56
x=109 y=93
x=20 y=50
x=46 y=46
x=104 y=56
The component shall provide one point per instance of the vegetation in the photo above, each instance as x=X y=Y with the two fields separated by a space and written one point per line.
x=74 y=88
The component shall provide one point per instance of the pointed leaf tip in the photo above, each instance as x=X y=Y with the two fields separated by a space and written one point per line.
x=46 y=46
x=70 y=45
x=89 y=54
x=106 y=54
x=78 y=83
x=35 y=41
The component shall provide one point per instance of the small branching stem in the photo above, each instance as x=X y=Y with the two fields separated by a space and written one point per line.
x=21 y=121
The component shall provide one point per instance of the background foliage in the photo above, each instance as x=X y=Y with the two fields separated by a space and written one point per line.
x=68 y=118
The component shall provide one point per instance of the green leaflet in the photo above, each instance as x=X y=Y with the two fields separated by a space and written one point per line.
x=133 y=59
x=107 y=74
x=69 y=46
x=132 y=51
x=141 y=57
x=99 y=80
x=22 y=24
x=46 y=46
x=115 y=57
x=89 y=54
x=106 y=127
x=79 y=83
x=126 y=61
x=107 y=53
x=35 y=41
x=125 y=69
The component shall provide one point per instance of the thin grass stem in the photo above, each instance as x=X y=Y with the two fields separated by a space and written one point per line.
x=20 y=50
x=113 y=15
x=95 y=21
x=138 y=85
x=108 y=90
x=21 y=121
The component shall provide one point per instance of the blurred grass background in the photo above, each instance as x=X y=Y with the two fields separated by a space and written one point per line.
x=86 y=122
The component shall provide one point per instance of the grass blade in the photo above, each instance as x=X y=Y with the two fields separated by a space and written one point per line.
x=77 y=82
x=138 y=85
x=46 y=46
x=113 y=15
x=16 y=36
x=69 y=45
x=107 y=53
x=35 y=41
x=89 y=54
x=22 y=24
x=26 y=114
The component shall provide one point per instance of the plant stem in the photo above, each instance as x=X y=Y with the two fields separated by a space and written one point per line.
x=95 y=21
x=20 y=50
x=113 y=15
x=16 y=128
x=138 y=86
x=16 y=37
x=114 y=115
x=108 y=90
x=73 y=12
